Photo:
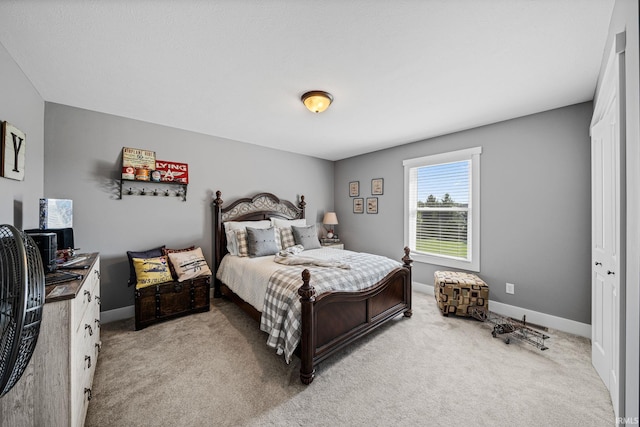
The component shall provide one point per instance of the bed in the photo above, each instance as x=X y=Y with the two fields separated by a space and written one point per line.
x=329 y=320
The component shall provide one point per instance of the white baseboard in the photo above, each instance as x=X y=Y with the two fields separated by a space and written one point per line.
x=117 y=314
x=542 y=319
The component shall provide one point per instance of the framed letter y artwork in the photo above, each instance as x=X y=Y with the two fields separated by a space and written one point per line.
x=13 y=151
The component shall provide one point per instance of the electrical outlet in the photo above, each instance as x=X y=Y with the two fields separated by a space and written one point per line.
x=511 y=288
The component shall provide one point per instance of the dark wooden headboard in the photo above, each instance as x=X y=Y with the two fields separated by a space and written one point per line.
x=259 y=207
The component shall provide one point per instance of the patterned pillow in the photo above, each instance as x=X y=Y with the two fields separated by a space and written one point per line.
x=287 y=240
x=277 y=230
x=166 y=252
x=150 y=253
x=151 y=271
x=190 y=265
x=241 y=239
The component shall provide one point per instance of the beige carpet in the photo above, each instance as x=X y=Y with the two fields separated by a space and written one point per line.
x=214 y=369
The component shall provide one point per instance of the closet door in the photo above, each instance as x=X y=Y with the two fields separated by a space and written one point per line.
x=607 y=214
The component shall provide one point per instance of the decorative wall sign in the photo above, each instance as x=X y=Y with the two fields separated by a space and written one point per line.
x=354 y=188
x=13 y=152
x=372 y=205
x=136 y=158
x=377 y=186
x=358 y=205
x=173 y=171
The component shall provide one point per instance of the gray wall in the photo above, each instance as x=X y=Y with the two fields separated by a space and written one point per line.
x=83 y=151
x=535 y=207
x=625 y=16
x=22 y=106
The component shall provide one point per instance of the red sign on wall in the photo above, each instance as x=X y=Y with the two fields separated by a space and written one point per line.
x=173 y=171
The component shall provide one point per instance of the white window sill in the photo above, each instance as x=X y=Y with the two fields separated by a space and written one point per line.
x=446 y=261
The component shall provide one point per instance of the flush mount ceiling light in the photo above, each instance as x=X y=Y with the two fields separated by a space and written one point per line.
x=317 y=100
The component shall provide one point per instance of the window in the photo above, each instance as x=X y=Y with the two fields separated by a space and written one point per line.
x=442 y=208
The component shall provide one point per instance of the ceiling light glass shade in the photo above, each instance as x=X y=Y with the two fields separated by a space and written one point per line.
x=317 y=101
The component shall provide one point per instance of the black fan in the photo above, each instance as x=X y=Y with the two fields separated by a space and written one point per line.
x=22 y=297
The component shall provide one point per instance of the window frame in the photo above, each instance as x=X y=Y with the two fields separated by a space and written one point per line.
x=473 y=226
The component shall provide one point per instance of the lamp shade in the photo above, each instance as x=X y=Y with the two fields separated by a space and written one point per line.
x=317 y=101
x=330 y=218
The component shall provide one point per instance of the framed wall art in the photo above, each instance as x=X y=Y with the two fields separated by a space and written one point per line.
x=372 y=205
x=358 y=205
x=13 y=152
x=354 y=188
x=377 y=186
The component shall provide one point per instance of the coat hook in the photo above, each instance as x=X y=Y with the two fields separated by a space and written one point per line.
x=166 y=192
x=130 y=191
x=142 y=193
x=155 y=192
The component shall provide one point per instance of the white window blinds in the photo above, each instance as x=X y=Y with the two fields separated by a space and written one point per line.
x=442 y=208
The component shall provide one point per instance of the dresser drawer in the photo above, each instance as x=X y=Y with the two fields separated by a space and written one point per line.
x=85 y=344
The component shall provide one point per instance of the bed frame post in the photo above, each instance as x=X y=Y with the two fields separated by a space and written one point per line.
x=302 y=205
x=406 y=259
x=217 y=241
x=307 y=298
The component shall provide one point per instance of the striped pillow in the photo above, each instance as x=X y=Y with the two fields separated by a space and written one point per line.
x=286 y=236
x=243 y=246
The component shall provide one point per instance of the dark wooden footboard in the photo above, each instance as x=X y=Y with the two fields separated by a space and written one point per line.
x=329 y=321
x=335 y=319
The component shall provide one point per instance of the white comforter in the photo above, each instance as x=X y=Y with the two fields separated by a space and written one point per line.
x=249 y=277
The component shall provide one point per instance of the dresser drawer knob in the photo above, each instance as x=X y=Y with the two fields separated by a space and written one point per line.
x=88 y=294
x=87 y=391
x=88 y=360
x=89 y=328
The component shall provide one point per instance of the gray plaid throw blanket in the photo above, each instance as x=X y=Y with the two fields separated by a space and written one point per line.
x=281 y=314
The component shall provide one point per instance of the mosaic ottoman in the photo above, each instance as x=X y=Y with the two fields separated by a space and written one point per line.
x=459 y=293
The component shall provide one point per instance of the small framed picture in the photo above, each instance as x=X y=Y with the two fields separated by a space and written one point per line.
x=377 y=186
x=354 y=188
x=358 y=205
x=372 y=205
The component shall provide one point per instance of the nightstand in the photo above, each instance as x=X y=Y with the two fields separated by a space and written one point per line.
x=333 y=245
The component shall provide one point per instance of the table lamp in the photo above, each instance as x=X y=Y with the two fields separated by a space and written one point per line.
x=330 y=219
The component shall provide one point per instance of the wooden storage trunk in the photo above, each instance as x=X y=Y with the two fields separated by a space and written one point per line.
x=170 y=300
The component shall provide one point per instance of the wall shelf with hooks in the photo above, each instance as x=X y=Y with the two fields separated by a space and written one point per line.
x=152 y=188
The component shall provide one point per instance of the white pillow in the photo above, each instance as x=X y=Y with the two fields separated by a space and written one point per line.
x=287 y=223
x=241 y=225
x=232 y=242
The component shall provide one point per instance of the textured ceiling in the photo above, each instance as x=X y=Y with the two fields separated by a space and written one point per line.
x=400 y=71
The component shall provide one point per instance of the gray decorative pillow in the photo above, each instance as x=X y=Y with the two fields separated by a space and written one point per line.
x=261 y=241
x=306 y=236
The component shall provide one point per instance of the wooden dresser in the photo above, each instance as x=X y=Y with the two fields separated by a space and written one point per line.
x=55 y=389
